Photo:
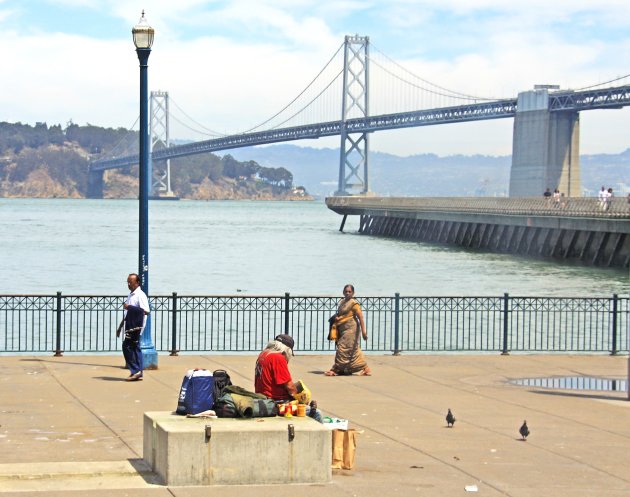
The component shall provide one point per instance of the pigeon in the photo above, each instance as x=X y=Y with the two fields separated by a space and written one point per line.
x=450 y=419
x=524 y=430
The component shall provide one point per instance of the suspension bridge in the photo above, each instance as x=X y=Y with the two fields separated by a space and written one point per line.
x=375 y=93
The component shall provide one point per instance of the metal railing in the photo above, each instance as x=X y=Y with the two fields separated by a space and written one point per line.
x=589 y=207
x=67 y=323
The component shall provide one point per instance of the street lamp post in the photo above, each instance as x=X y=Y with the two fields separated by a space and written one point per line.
x=143 y=39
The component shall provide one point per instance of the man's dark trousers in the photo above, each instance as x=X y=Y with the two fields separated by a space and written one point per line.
x=133 y=355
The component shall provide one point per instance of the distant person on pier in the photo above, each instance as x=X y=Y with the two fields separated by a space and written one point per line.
x=564 y=202
x=608 y=198
x=601 y=196
x=547 y=195
x=556 y=198
x=134 y=320
x=350 y=325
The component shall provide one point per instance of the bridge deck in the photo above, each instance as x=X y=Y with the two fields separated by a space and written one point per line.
x=602 y=98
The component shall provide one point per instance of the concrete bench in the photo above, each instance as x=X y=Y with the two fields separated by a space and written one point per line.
x=197 y=451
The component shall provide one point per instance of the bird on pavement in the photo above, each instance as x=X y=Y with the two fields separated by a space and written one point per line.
x=450 y=419
x=524 y=430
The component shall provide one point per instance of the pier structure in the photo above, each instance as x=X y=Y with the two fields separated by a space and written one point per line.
x=576 y=229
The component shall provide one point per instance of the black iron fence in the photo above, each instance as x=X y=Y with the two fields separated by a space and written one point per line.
x=68 y=323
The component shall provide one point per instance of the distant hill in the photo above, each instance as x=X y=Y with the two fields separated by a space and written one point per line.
x=428 y=174
x=52 y=162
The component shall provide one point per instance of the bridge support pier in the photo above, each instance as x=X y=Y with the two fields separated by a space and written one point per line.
x=95 y=184
x=545 y=148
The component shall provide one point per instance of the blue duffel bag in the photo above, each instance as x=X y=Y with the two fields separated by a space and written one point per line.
x=195 y=395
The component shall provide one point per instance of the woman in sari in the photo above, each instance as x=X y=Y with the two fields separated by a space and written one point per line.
x=350 y=327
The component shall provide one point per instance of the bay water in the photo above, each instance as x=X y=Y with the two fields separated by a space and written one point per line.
x=87 y=247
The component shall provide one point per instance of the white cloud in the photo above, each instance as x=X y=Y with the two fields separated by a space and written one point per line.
x=231 y=65
x=80 y=82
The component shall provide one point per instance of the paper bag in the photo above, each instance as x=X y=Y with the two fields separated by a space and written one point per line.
x=344 y=448
x=337 y=448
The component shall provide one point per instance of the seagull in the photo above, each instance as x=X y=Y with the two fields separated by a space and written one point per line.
x=450 y=419
x=524 y=430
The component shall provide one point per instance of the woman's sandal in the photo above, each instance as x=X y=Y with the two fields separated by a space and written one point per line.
x=330 y=372
x=365 y=372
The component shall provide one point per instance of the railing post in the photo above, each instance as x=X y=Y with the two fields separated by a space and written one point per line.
x=174 y=350
x=286 y=313
x=613 y=338
x=506 y=323
x=58 y=351
x=397 y=323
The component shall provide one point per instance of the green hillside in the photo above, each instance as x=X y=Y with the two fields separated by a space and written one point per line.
x=51 y=161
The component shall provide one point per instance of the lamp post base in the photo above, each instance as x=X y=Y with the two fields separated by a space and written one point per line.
x=149 y=357
x=149 y=354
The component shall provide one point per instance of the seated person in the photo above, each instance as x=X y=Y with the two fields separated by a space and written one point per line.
x=272 y=377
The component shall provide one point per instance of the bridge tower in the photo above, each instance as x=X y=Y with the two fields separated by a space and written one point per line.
x=545 y=147
x=353 y=160
x=159 y=125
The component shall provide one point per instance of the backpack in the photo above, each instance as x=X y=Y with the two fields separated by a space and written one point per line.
x=236 y=402
x=262 y=408
x=224 y=407
x=221 y=380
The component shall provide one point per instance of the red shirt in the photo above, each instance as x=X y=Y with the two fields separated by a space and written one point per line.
x=272 y=372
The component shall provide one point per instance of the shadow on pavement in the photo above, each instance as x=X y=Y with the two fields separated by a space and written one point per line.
x=63 y=361
x=145 y=472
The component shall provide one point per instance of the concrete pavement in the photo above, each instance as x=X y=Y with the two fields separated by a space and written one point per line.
x=71 y=426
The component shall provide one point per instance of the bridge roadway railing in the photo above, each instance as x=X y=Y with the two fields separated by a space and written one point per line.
x=425 y=117
x=602 y=98
x=585 y=207
x=39 y=324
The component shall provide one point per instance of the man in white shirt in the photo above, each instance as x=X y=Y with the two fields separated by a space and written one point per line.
x=134 y=320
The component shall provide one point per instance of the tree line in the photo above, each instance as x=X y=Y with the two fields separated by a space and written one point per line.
x=65 y=153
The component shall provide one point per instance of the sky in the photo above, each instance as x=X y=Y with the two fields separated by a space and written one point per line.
x=231 y=64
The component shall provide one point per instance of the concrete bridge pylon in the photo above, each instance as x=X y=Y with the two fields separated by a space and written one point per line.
x=545 y=148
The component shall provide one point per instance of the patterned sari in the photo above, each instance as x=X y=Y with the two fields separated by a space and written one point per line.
x=349 y=357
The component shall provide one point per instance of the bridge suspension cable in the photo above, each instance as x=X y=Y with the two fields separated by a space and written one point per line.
x=319 y=94
x=206 y=132
x=114 y=151
x=444 y=91
x=604 y=83
x=308 y=103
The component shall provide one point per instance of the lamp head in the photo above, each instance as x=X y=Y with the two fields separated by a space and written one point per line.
x=143 y=33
